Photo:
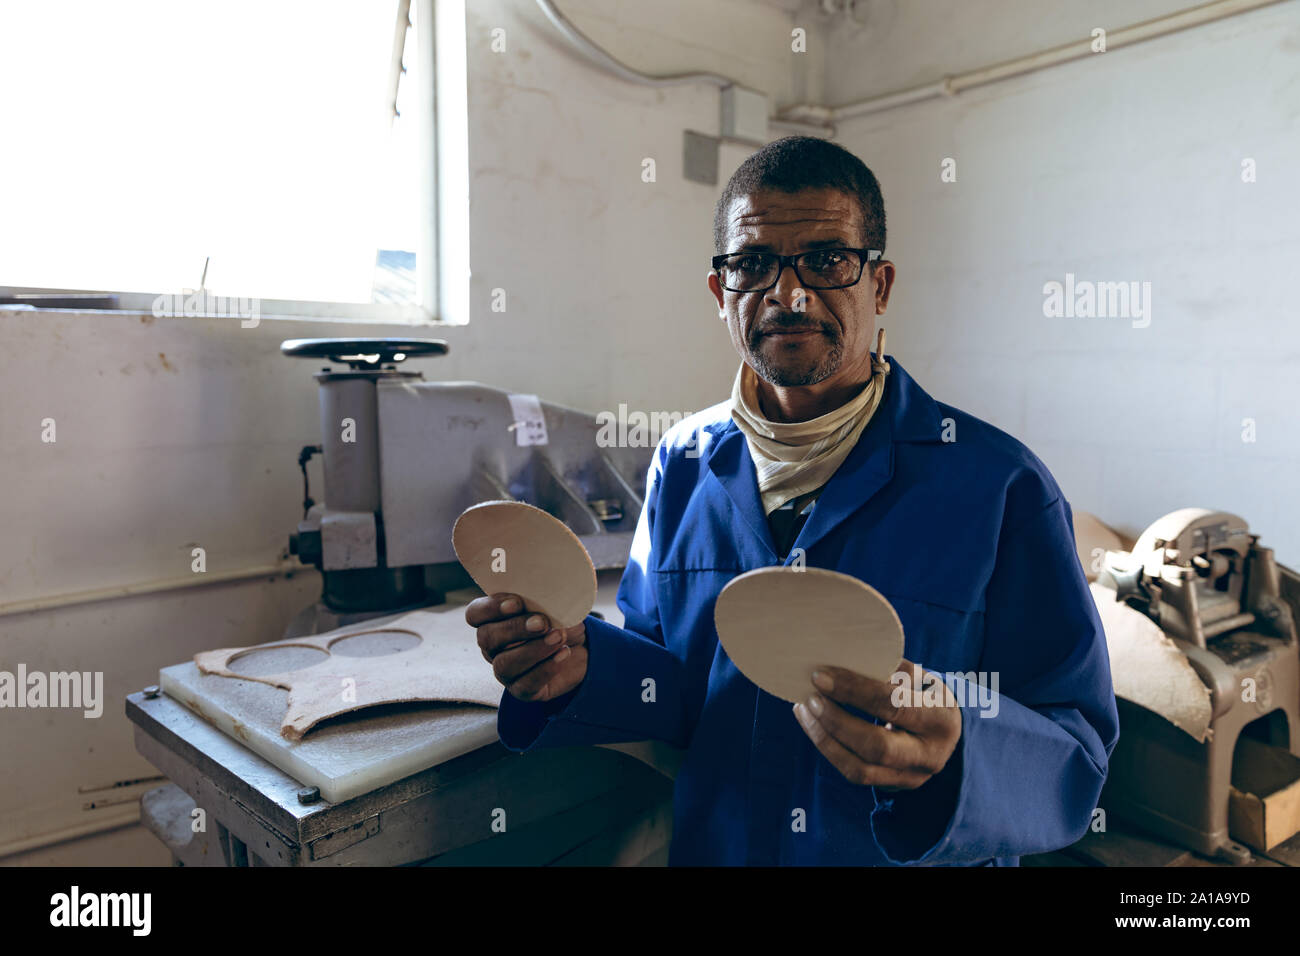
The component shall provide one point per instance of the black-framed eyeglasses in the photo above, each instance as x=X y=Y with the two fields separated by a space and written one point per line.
x=816 y=269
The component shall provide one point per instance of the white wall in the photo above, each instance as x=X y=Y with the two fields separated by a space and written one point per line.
x=174 y=433
x=1121 y=166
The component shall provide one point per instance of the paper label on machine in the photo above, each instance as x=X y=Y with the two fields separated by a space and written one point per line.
x=530 y=424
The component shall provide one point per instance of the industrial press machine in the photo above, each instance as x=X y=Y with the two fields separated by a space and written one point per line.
x=401 y=458
x=1228 y=606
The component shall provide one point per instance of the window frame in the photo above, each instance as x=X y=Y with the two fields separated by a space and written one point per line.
x=423 y=311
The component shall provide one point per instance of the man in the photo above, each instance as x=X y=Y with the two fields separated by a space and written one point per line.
x=833 y=456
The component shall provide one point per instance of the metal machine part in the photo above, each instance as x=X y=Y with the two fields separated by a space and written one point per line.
x=1232 y=609
x=344 y=537
x=445 y=446
x=403 y=457
x=1207 y=575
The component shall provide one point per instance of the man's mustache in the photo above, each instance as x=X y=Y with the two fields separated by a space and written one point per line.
x=787 y=323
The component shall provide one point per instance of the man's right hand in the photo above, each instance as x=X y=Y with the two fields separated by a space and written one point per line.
x=534 y=661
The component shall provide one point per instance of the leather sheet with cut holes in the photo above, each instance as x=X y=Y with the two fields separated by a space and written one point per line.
x=425 y=655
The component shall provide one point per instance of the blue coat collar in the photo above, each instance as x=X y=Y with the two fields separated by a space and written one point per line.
x=906 y=414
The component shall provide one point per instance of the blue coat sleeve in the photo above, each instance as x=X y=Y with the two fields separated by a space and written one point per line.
x=633 y=687
x=1033 y=752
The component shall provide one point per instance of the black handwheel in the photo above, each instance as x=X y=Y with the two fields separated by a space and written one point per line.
x=364 y=353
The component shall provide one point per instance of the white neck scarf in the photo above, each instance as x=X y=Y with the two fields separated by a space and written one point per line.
x=794 y=458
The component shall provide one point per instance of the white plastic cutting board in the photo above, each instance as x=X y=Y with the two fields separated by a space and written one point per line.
x=352 y=755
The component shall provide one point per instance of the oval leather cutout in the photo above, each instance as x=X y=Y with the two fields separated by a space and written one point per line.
x=779 y=624
x=509 y=546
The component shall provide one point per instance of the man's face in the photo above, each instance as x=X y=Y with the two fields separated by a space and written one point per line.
x=829 y=341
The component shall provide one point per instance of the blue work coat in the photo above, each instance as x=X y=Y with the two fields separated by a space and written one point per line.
x=967 y=534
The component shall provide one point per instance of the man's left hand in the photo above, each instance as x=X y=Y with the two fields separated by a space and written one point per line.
x=913 y=745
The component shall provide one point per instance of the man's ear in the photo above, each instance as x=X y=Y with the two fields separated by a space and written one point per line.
x=716 y=288
x=884 y=275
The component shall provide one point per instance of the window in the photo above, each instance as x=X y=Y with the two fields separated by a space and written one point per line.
x=268 y=149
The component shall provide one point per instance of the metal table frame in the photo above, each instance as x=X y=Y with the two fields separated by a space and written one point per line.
x=264 y=821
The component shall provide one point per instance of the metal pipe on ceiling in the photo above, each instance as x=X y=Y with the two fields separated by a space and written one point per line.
x=952 y=85
x=815 y=119
x=584 y=45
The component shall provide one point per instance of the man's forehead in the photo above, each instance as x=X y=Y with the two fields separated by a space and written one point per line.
x=819 y=212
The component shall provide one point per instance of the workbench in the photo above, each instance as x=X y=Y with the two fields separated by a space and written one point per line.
x=565 y=805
